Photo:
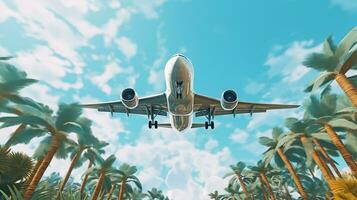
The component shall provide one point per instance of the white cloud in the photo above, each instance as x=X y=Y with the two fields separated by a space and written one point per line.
x=272 y=118
x=115 y=4
x=114 y=69
x=127 y=47
x=253 y=87
x=211 y=144
x=54 y=30
x=101 y=80
x=349 y=5
x=41 y=93
x=105 y=127
x=156 y=78
x=189 y=170
x=239 y=136
x=6 y=12
x=288 y=63
x=111 y=27
x=156 y=70
x=3 y=51
x=43 y=64
x=148 y=8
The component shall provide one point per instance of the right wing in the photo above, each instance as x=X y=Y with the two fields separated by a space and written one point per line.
x=155 y=103
x=203 y=104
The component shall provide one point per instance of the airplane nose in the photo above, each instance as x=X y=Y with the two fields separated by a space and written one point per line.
x=180 y=62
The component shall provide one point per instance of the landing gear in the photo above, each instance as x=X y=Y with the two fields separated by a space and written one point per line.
x=210 y=116
x=151 y=116
x=209 y=124
x=153 y=123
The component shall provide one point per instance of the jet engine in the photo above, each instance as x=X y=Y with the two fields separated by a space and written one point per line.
x=229 y=100
x=129 y=98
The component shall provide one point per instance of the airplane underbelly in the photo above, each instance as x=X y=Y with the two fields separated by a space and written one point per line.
x=181 y=123
x=180 y=107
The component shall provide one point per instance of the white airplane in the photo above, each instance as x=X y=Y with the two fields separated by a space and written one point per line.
x=180 y=102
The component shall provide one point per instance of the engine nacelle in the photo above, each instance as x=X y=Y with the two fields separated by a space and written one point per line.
x=229 y=100
x=129 y=98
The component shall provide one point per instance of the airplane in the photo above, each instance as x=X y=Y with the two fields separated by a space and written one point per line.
x=180 y=102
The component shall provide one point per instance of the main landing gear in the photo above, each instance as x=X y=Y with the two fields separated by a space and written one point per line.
x=209 y=124
x=210 y=117
x=152 y=122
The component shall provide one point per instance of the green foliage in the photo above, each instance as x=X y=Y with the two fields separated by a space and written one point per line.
x=156 y=194
x=14 y=168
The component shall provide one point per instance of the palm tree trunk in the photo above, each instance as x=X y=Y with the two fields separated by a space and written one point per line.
x=328 y=158
x=293 y=173
x=55 y=144
x=323 y=161
x=98 y=186
x=122 y=189
x=287 y=194
x=265 y=180
x=341 y=148
x=101 y=196
x=86 y=177
x=347 y=87
x=111 y=192
x=263 y=189
x=318 y=162
x=33 y=172
x=242 y=185
x=69 y=171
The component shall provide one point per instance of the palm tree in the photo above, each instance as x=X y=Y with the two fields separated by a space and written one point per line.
x=275 y=149
x=316 y=188
x=125 y=175
x=301 y=136
x=334 y=62
x=232 y=192
x=261 y=170
x=41 y=123
x=87 y=142
x=6 y=57
x=156 y=194
x=215 y=195
x=237 y=176
x=92 y=156
x=137 y=194
x=15 y=167
x=102 y=170
x=12 y=81
x=326 y=154
x=323 y=111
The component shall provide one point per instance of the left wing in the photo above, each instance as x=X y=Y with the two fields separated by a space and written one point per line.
x=203 y=105
x=156 y=103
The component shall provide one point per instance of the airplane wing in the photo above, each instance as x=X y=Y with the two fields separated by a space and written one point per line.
x=156 y=103
x=203 y=105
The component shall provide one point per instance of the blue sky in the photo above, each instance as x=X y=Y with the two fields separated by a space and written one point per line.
x=89 y=51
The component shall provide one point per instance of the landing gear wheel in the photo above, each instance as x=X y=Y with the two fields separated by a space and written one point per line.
x=150 y=124
x=206 y=125
x=212 y=125
x=156 y=124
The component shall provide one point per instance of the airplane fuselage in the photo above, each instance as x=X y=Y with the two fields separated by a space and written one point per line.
x=179 y=92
